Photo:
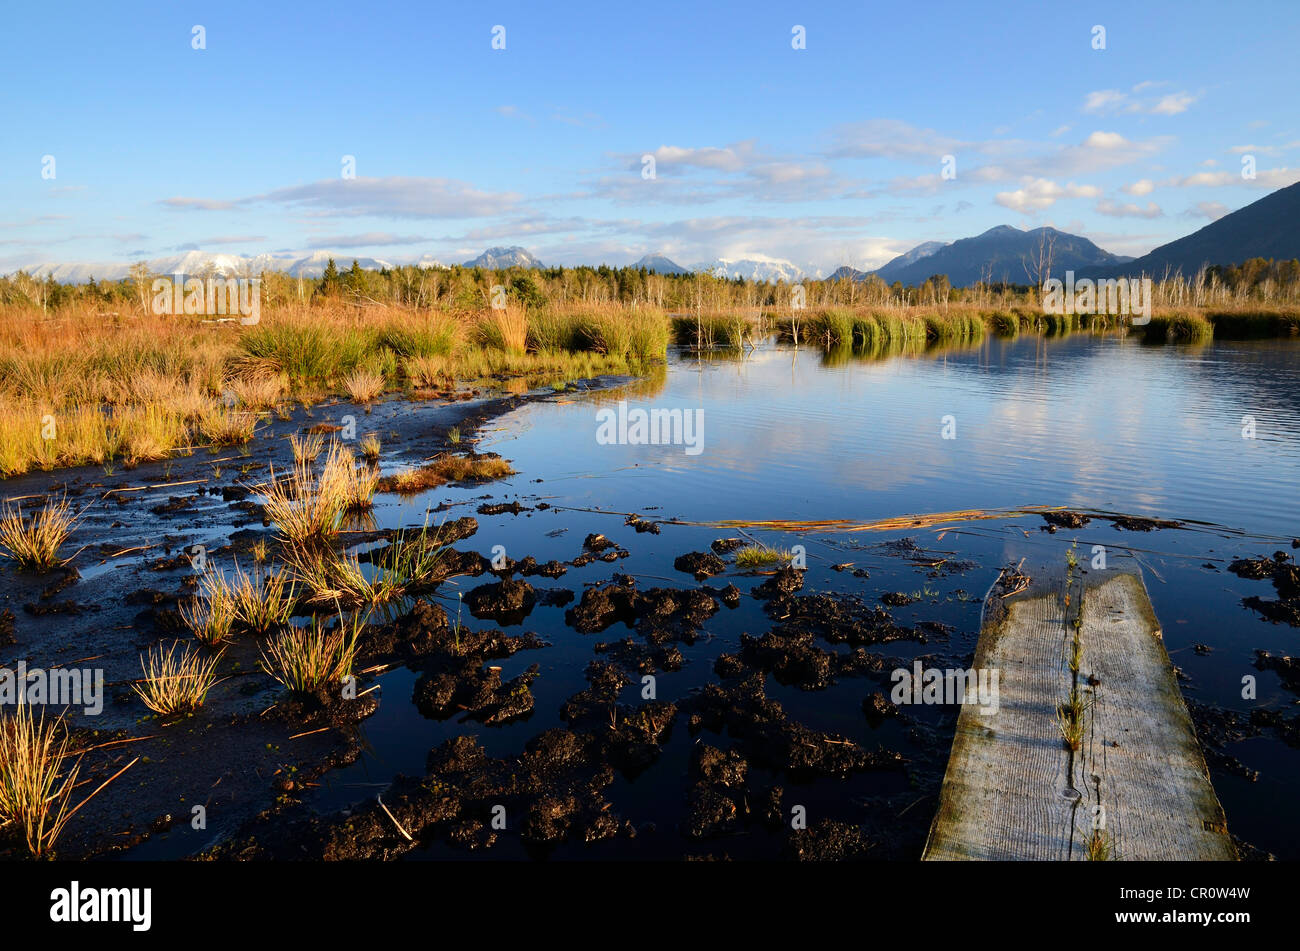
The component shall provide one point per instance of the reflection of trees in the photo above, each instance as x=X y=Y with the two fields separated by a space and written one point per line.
x=653 y=379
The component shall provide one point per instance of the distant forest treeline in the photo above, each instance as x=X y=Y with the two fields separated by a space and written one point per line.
x=470 y=289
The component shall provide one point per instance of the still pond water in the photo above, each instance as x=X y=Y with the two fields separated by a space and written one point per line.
x=1209 y=436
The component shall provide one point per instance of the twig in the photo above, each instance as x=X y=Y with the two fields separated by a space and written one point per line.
x=380 y=800
x=101 y=786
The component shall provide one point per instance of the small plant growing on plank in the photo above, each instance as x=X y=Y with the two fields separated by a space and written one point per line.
x=1099 y=847
x=1070 y=720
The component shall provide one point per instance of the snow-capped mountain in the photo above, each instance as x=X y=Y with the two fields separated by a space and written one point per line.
x=202 y=263
x=314 y=264
x=497 y=259
x=756 y=268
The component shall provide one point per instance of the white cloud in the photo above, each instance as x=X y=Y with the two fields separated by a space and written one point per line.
x=394 y=196
x=1114 y=101
x=1106 y=140
x=1128 y=209
x=198 y=204
x=1271 y=178
x=1214 y=210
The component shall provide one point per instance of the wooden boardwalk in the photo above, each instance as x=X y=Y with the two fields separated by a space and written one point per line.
x=1013 y=788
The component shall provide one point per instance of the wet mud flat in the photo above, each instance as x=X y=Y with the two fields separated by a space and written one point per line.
x=626 y=764
x=617 y=687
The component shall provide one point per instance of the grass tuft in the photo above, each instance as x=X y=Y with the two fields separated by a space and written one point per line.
x=262 y=604
x=34 y=542
x=306 y=508
x=364 y=385
x=309 y=660
x=210 y=614
x=760 y=556
x=176 y=684
x=34 y=787
x=446 y=469
x=306 y=448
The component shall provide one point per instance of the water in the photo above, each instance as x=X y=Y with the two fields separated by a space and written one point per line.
x=1102 y=423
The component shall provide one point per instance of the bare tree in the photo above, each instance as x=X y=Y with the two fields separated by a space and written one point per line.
x=1038 y=267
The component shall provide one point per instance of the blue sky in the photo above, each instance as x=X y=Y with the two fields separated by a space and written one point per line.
x=826 y=155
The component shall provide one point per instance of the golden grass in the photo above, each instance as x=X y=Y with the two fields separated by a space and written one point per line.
x=142 y=386
x=504 y=329
x=307 y=508
x=227 y=427
x=428 y=372
x=34 y=787
x=357 y=484
x=34 y=542
x=308 y=660
x=364 y=385
x=306 y=448
x=211 y=613
x=370 y=447
x=258 y=391
x=176 y=684
x=761 y=556
x=1099 y=847
x=149 y=432
x=338 y=577
x=262 y=604
x=446 y=469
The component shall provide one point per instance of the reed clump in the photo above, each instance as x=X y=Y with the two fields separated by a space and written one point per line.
x=1186 y=327
x=444 y=469
x=761 y=556
x=309 y=661
x=364 y=385
x=211 y=613
x=35 y=780
x=262 y=603
x=176 y=683
x=38 y=773
x=307 y=507
x=34 y=542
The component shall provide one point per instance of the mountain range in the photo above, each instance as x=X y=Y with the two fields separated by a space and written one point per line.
x=1268 y=228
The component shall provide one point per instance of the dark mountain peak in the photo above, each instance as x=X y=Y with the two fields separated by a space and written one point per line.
x=1267 y=228
x=660 y=264
x=999 y=254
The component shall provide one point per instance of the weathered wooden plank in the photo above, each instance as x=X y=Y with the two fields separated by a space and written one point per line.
x=1140 y=762
x=1014 y=790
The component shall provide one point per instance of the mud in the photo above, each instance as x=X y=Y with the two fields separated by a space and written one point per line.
x=1282 y=570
